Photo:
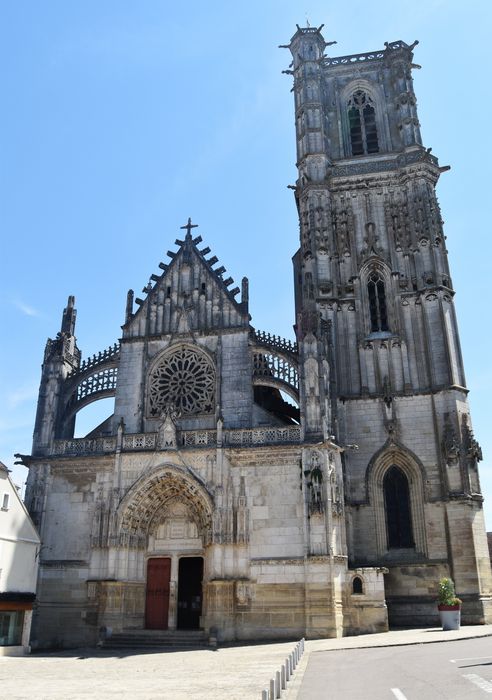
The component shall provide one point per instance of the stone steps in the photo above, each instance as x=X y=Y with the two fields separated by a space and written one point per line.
x=163 y=639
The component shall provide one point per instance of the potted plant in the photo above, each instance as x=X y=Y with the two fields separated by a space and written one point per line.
x=449 y=605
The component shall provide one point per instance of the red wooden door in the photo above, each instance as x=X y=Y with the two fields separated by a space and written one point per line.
x=157 y=595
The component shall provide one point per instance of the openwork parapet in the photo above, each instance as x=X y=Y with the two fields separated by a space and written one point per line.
x=187 y=438
x=110 y=354
x=274 y=341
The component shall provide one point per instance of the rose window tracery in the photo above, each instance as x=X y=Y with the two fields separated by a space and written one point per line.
x=183 y=379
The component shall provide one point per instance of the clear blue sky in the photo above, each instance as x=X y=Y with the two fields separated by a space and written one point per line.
x=120 y=119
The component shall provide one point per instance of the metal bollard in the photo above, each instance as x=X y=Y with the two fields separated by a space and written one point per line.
x=293 y=657
x=264 y=695
x=283 y=679
x=287 y=669
x=277 y=685
x=272 y=689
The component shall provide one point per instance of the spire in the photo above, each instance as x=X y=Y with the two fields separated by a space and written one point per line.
x=69 y=316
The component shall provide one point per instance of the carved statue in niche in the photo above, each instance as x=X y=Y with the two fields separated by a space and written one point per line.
x=314 y=480
x=343 y=225
x=371 y=241
x=305 y=231
x=166 y=435
x=450 y=442
x=336 y=496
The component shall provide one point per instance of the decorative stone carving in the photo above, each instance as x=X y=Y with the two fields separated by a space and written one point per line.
x=336 y=496
x=166 y=436
x=397 y=221
x=244 y=594
x=185 y=379
x=450 y=442
x=472 y=448
x=371 y=242
x=314 y=480
x=242 y=516
x=344 y=227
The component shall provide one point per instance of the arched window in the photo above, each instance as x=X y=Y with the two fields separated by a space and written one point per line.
x=357 y=588
x=397 y=506
x=377 y=303
x=362 y=124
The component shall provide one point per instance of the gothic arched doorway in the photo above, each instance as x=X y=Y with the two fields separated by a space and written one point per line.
x=166 y=520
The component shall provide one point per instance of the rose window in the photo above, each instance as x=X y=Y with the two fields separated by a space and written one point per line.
x=184 y=379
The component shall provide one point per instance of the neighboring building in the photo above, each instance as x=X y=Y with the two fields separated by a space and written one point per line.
x=209 y=500
x=19 y=549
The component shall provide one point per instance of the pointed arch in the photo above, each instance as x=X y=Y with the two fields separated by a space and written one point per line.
x=410 y=474
x=364 y=125
x=397 y=509
x=357 y=585
x=376 y=291
x=139 y=508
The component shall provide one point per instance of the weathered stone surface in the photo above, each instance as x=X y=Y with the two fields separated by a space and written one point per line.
x=307 y=519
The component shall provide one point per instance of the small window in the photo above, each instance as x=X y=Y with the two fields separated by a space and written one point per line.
x=11 y=624
x=377 y=303
x=362 y=124
x=5 y=501
x=357 y=588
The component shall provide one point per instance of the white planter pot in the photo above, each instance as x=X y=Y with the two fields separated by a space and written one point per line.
x=450 y=619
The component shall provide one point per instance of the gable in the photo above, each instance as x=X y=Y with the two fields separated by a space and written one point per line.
x=189 y=296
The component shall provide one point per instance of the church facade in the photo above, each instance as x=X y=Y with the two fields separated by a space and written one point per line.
x=253 y=487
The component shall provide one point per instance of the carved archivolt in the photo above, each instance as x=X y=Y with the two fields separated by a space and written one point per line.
x=183 y=378
x=148 y=501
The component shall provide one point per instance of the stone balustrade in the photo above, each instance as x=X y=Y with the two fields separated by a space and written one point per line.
x=186 y=439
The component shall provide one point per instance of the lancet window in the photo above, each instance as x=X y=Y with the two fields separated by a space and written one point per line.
x=362 y=124
x=357 y=588
x=377 y=303
x=397 y=506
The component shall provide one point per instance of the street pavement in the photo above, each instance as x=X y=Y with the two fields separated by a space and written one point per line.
x=242 y=672
x=456 y=671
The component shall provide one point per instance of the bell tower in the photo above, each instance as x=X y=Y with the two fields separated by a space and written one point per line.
x=372 y=274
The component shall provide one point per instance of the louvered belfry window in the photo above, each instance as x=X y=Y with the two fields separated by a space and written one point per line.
x=362 y=124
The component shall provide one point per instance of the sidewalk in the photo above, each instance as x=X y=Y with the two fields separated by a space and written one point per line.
x=230 y=673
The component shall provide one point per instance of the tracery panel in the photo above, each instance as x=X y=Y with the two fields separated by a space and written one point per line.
x=184 y=379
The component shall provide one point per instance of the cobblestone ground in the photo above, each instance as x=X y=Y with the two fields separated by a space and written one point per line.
x=235 y=673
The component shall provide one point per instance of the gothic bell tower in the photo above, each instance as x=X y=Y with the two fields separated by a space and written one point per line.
x=373 y=285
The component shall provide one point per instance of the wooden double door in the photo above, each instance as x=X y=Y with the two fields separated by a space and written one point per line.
x=189 y=602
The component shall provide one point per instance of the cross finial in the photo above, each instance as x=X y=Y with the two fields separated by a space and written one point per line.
x=188 y=227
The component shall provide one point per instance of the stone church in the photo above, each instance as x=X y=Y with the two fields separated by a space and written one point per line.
x=253 y=487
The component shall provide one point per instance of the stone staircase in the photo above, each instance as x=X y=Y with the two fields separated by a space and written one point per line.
x=166 y=640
